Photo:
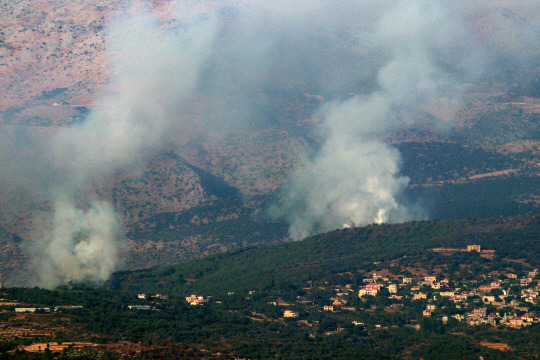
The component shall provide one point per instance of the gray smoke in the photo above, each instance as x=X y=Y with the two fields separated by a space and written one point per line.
x=82 y=246
x=155 y=71
x=366 y=59
x=355 y=179
x=430 y=50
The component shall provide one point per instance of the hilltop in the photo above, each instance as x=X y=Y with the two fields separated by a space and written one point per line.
x=340 y=251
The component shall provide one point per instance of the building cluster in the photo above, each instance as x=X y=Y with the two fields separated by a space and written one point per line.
x=488 y=254
x=143 y=296
x=507 y=306
x=486 y=300
x=290 y=314
x=196 y=300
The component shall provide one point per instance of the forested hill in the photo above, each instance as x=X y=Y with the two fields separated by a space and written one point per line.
x=346 y=250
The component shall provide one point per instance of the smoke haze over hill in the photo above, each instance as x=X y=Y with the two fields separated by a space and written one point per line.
x=365 y=59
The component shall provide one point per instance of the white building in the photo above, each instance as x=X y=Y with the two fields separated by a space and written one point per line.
x=290 y=314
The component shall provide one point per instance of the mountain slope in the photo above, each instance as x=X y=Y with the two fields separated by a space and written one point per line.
x=217 y=226
x=338 y=251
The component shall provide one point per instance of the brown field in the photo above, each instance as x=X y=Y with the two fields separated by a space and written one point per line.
x=495 y=173
x=528 y=105
x=496 y=346
x=56 y=347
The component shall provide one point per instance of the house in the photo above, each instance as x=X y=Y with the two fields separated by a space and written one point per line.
x=430 y=279
x=426 y=313
x=495 y=284
x=430 y=307
x=328 y=308
x=371 y=289
x=373 y=286
x=139 y=307
x=436 y=285
x=26 y=309
x=141 y=296
x=365 y=291
x=407 y=280
x=392 y=288
x=527 y=319
x=476 y=248
x=459 y=297
x=479 y=312
x=290 y=314
x=419 y=296
x=195 y=300
x=515 y=322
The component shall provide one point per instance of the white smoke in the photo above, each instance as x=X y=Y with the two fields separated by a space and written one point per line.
x=351 y=181
x=155 y=72
x=82 y=246
x=354 y=179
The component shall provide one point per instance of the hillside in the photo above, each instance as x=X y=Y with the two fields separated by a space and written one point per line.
x=336 y=252
x=221 y=225
x=429 y=297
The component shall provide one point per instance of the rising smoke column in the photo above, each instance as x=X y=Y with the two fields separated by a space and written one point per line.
x=156 y=71
x=354 y=178
x=83 y=244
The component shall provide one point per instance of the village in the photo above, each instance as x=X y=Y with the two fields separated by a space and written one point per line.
x=497 y=300
x=422 y=294
x=502 y=300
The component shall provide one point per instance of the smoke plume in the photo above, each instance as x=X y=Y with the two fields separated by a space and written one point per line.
x=82 y=246
x=430 y=51
x=155 y=71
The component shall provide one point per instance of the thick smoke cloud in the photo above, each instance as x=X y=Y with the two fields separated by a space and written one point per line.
x=155 y=72
x=430 y=52
x=82 y=246
x=355 y=179
x=365 y=59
